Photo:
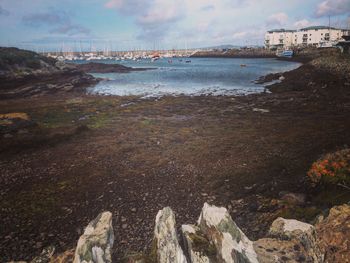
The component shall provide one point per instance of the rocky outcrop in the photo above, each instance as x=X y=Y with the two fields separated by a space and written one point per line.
x=94 y=67
x=230 y=242
x=289 y=240
x=25 y=74
x=165 y=238
x=95 y=245
x=334 y=234
x=217 y=239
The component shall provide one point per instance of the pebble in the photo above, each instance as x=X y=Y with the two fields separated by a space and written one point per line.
x=124 y=226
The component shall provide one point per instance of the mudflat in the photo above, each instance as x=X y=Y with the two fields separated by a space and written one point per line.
x=76 y=155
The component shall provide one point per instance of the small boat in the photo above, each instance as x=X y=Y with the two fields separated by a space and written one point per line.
x=188 y=61
x=243 y=65
x=285 y=53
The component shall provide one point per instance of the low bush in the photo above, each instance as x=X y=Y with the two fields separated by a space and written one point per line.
x=331 y=169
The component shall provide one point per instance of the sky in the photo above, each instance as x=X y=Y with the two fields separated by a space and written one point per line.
x=157 y=24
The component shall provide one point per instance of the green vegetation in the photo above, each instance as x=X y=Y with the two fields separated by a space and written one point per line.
x=202 y=245
x=11 y=57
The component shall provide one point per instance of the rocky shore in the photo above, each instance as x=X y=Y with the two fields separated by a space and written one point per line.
x=68 y=156
x=237 y=53
x=94 y=67
x=216 y=238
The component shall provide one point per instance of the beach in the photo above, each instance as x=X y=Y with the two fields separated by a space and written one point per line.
x=77 y=155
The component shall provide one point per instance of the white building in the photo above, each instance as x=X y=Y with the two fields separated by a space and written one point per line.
x=317 y=36
x=278 y=38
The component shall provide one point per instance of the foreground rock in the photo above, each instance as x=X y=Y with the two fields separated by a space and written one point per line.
x=165 y=238
x=217 y=239
x=290 y=240
x=334 y=234
x=95 y=245
x=230 y=242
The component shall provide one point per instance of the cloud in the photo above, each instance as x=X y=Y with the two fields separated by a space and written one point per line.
x=155 y=17
x=59 y=22
x=333 y=7
x=4 y=12
x=208 y=8
x=278 y=19
x=302 y=23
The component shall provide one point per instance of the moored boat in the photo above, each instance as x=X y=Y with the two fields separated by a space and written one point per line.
x=285 y=53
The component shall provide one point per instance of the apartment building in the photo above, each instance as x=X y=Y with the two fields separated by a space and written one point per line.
x=278 y=38
x=318 y=36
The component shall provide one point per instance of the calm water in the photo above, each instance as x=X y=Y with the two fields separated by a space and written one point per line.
x=203 y=76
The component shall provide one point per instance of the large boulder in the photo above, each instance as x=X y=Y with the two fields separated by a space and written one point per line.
x=276 y=250
x=167 y=248
x=95 y=245
x=299 y=233
x=334 y=234
x=230 y=242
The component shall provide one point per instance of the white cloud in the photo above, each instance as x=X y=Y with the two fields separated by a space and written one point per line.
x=278 y=19
x=333 y=7
x=302 y=23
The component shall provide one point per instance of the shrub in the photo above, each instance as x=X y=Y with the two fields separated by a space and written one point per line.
x=332 y=169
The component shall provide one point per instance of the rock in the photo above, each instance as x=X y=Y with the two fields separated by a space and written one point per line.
x=198 y=247
x=261 y=110
x=274 y=250
x=230 y=242
x=334 y=234
x=166 y=243
x=65 y=257
x=281 y=78
x=95 y=245
x=293 y=230
x=45 y=255
x=68 y=87
x=8 y=136
x=294 y=198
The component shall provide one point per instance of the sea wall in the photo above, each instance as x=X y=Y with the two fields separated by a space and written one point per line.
x=215 y=237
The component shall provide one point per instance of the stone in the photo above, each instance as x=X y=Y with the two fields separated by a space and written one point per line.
x=64 y=257
x=261 y=110
x=198 y=248
x=95 y=245
x=334 y=234
x=45 y=256
x=275 y=250
x=166 y=242
x=290 y=229
x=230 y=242
x=294 y=198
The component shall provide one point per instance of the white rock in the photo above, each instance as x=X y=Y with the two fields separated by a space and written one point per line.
x=167 y=244
x=288 y=228
x=231 y=243
x=95 y=245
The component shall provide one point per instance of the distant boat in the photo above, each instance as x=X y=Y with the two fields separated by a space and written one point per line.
x=188 y=61
x=285 y=53
x=243 y=65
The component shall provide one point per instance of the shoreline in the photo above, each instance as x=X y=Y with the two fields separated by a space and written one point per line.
x=78 y=155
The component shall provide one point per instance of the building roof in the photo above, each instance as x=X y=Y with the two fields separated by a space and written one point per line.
x=281 y=30
x=316 y=27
